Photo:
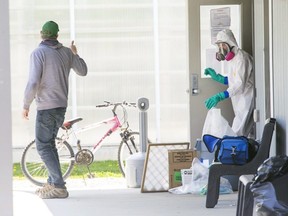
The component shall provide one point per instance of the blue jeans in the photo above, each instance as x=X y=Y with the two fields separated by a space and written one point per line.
x=48 y=123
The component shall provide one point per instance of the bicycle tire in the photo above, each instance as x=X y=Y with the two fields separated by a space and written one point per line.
x=35 y=170
x=127 y=148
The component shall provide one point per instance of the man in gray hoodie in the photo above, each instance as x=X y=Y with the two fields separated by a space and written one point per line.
x=50 y=65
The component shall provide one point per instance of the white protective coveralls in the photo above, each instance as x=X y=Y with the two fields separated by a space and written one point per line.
x=240 y=85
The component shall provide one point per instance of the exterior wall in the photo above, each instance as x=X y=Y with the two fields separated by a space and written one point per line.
x=279 y=69
x=259 y=57
x=117 y=41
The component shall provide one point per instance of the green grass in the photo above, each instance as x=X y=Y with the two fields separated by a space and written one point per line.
x=103 y=169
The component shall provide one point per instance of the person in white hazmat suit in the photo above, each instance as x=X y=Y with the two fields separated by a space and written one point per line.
x=240 y=81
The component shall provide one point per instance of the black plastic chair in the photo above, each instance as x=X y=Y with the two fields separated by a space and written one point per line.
x=216 y=170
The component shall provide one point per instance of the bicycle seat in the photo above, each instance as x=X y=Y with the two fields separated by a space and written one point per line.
x=68 y=124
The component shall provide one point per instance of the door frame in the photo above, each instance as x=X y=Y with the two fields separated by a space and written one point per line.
x=196 y=103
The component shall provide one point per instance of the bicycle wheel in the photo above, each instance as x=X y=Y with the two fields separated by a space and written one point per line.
x=129 y=145
x=35 y=170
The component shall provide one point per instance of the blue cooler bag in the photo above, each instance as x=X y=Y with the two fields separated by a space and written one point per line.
x=229 y=149
x=233 y=150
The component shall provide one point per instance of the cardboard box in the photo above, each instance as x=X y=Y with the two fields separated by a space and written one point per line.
x=179 y=159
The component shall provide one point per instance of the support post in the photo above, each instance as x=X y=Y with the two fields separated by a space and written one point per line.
x=6 y=200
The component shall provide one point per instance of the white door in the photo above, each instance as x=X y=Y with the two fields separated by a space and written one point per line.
x=206 y=18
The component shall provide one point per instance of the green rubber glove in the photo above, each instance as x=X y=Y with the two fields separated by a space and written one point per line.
x=217 y=77
x=213 y=101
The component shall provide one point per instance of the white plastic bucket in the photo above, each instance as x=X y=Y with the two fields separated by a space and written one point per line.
x=134 y=169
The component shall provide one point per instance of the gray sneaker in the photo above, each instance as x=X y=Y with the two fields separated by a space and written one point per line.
x=51 y=192
x=46 y=186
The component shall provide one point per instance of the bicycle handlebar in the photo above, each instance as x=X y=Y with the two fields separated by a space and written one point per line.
x=107 y=103
x=115 y=106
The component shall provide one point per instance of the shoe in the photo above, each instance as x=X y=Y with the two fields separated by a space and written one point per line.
x=51 y=192
x=45 y=187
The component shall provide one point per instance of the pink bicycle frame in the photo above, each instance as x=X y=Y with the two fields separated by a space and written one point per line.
x=116 y=124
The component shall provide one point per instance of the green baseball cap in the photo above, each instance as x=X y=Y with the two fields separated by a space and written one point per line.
x=50 y=29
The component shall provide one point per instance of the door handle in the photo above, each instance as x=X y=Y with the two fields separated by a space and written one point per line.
x=194 y=84
x=195 y=91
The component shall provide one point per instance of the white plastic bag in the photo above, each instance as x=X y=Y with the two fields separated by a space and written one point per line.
x=225 y=187
x=199 y=180
x=216 y=125
x=199 y=176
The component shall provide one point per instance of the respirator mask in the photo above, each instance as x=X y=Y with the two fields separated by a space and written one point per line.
x=225 y=52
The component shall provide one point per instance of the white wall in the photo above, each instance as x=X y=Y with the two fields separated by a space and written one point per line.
x=116 y=40
x=259 y=57
x=279 y=69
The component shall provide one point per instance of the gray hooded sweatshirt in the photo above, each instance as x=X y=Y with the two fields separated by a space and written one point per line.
x=50 y=65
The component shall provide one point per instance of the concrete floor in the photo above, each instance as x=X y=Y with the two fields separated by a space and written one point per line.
x=111 y=197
